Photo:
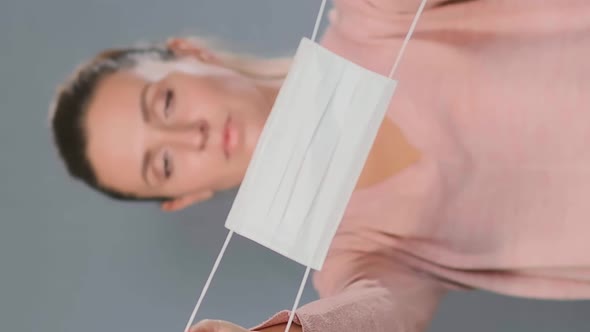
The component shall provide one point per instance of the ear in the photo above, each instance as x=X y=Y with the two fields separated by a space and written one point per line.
x=185 y=201
x=186 y=47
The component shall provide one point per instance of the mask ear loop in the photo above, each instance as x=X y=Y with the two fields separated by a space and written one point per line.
x=391 y=73
x=408 y=37
x=230 y=234
x=209 y=279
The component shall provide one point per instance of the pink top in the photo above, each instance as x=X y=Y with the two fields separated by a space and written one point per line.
x=496 y=95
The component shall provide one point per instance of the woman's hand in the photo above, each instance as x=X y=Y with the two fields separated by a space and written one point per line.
x=210 y=325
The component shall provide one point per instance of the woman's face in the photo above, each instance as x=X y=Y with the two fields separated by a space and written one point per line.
x=183 y=129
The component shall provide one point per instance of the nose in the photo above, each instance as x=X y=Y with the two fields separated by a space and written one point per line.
x=194 y=135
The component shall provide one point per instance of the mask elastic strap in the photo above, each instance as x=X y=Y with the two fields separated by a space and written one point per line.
x=208 y=283
x=318 y=20
x=298 y=298
x=229 y=235
x=408 y=36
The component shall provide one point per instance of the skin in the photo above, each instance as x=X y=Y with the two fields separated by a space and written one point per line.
x=183 y=135
x=209 y=325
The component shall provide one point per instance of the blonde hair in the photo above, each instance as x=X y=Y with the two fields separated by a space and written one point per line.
x=264 y=68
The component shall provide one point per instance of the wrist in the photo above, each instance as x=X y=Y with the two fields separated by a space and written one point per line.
x=281 y=328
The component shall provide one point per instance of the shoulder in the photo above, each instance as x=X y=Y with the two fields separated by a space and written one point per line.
x=389 y=8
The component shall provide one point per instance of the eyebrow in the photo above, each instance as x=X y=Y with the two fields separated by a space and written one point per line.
x=145 y=166
x=143 y=104
x=143 y=108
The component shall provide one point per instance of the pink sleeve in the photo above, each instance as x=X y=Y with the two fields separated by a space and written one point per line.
x=393 y=6
x=366 y=292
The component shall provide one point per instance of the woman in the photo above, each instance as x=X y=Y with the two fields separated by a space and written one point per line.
x=478 y=177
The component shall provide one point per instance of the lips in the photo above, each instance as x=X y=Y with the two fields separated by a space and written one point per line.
x=229 y=137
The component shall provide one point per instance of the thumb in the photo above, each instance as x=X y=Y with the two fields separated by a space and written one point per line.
x=207 y=325
x=211 y=325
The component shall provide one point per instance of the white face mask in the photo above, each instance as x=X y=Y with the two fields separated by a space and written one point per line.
x=310 y=155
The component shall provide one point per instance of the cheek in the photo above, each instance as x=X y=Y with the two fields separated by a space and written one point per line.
x=194 y=170
x=200 y=98
x=221 y=90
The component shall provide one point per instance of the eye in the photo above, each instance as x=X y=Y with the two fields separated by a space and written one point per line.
x=168 y=102
x=167 y=164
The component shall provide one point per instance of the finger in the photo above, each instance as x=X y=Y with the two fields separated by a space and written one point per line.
x=207 y=325
x=211 y=325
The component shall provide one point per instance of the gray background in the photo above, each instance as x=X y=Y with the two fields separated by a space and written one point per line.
x=71 y=260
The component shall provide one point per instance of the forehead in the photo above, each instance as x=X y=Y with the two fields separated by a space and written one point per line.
x=114 y=131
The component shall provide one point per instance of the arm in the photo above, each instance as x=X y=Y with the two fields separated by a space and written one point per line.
x=365 y=292
x=410 y=6
x=394 y=6
x=281 y=328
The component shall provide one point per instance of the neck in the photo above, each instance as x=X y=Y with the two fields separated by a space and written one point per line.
x=390 y=154
x=269 y=90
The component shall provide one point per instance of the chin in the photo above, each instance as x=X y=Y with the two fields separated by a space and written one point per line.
x=251 y=134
